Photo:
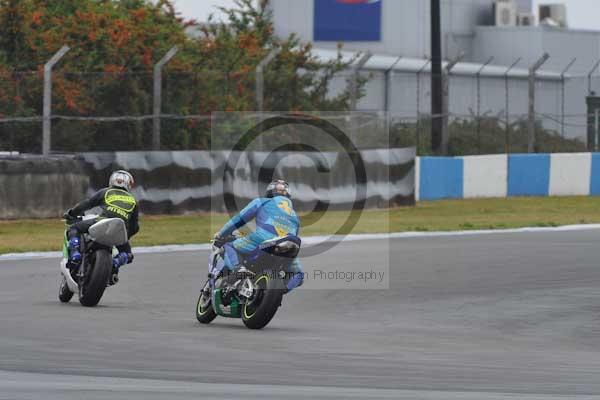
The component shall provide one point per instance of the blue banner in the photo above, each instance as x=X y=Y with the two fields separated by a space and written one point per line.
x=347 y=20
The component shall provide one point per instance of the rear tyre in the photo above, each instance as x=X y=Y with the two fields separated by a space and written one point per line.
x=95 y=281
x=204 y=310
x=64 y=293
x=258 y=312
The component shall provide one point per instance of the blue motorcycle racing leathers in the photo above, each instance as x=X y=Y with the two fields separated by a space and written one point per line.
x=275 y=217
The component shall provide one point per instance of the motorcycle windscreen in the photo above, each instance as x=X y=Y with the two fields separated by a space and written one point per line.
x=109 y=232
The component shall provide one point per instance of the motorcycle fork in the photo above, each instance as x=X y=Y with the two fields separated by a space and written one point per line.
x=82 y=268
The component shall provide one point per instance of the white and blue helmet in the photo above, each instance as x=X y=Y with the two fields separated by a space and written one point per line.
x=121 y=179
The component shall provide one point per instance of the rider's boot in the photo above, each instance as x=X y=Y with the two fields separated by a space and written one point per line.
x=74 y=252
x=121 y=259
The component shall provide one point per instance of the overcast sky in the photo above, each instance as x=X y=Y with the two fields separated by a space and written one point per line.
x=582 y=14
x=200 y=9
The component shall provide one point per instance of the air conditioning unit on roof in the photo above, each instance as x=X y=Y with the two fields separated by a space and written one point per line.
x=505 y=13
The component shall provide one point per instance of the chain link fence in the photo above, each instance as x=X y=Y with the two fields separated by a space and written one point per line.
x=490 y=114
x=486 y=113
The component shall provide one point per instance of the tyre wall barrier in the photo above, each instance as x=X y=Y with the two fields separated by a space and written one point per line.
x=576 y=174
x=180 y=181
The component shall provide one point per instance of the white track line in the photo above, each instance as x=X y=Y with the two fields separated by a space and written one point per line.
x=319 y=239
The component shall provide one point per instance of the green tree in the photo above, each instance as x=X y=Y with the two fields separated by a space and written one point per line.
x=108 y=72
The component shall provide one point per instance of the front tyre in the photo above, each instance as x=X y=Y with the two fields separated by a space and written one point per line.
x=204 y=310
x=259 y=311
x=96 y=278
x=64 y=293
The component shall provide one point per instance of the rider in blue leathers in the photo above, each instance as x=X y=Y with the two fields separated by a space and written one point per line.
x=275 y=217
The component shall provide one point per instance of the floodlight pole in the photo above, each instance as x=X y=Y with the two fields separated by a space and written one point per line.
x=436 y=79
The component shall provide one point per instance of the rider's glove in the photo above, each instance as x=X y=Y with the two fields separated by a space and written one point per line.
x=69 y=214
x=218 y=239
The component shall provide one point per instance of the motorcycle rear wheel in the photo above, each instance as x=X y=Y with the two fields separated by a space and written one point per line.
x=258 y=312
x=92 y=289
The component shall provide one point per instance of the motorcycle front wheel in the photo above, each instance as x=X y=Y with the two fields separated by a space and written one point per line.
x=64 y=293
x=204 y=310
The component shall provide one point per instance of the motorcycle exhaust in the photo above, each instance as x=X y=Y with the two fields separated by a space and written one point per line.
x=114 y=279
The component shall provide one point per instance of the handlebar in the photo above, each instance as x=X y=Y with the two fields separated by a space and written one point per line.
x=71 y=220
x=220 y=242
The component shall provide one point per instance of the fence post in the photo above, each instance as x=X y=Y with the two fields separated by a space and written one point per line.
x=260 y=78
x=353 y=86
x=419 y=72
x=17 y=78
x=531 y=126
x=389 y=75
x=507 y=127
x=562 y=99
x=354 y=79
x=594 y=68
x=478 y=75
x=596 y=130
x=47 y=122
x=389 y=81
x=157 y=96
x=445 y=96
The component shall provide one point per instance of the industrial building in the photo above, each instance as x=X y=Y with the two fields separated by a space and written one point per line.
x=497 y=42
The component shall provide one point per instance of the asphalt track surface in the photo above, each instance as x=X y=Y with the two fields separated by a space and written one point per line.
x=506 y=316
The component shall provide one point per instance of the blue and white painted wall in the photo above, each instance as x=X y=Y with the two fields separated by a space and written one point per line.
x=508 y=176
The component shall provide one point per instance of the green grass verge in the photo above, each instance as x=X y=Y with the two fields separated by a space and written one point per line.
x=45 y=235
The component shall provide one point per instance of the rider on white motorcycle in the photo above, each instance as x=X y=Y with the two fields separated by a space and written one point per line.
x=115 y=201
